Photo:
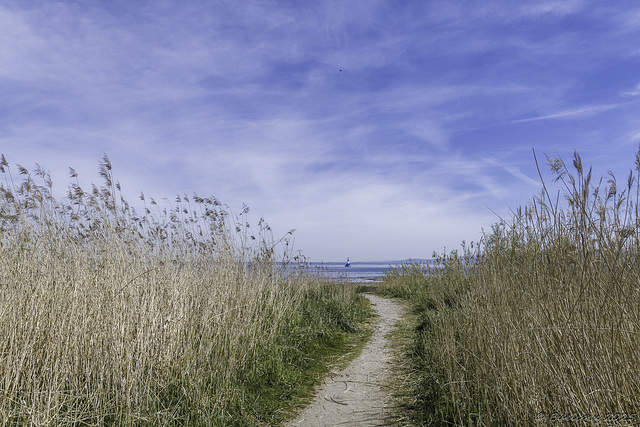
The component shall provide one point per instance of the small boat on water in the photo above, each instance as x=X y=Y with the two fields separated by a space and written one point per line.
x=348 y=264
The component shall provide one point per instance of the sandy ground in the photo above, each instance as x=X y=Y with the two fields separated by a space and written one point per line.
x=356 y=396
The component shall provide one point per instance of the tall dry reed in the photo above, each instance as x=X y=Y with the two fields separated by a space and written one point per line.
x=542 y=323
x=111 y=317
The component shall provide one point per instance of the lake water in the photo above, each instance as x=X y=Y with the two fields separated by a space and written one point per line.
x=359 y=272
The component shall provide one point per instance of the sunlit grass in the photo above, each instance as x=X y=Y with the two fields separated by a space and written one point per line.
x=183 y=315
x=541 y=320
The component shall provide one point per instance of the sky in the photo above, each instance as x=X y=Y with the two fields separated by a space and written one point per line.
x=377 y=129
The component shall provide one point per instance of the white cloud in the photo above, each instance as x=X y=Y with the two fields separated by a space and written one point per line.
x=555 y=7
x=247 y=103
x=516 y=172
x=580 y=112
x=633 y=92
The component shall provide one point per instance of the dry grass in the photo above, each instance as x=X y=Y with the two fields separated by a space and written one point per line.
x=541 y=322
x=110 y=317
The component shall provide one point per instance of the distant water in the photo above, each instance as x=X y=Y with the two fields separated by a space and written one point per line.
x=359 y=272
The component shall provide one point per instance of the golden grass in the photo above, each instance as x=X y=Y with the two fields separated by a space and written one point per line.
x=108 y=317
x=540 y=323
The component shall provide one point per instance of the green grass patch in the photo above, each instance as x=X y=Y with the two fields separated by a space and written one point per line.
x=432 y=295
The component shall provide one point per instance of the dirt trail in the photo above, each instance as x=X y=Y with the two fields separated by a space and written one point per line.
x=357 y=395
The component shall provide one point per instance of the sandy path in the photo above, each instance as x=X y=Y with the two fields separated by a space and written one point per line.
x=356 y=396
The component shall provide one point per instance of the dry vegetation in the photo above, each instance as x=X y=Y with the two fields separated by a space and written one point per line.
x=184 y=316
x=540 y=322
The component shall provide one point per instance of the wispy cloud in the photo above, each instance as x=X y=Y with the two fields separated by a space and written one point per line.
x=371 y=125
x=516 y=172
x=633 y=92
x=576 y=113
x=554 y=7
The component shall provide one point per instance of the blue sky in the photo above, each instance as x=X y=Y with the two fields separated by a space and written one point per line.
x=377 y=129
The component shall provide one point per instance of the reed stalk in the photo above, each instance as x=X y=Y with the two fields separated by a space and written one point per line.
x=540 y=322
x=108 y=316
